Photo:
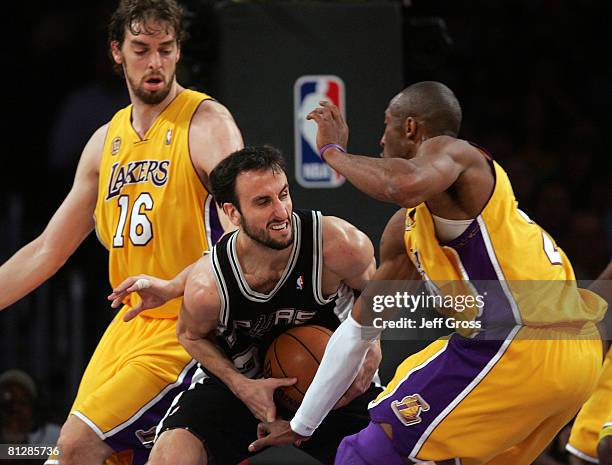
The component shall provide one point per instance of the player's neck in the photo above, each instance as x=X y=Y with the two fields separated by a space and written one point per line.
x=257 y=258
x=144 y=115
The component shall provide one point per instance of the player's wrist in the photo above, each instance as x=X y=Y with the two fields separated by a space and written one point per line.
x=238 y=384
x=299 y=427
x=175 y=288
x=330 y=147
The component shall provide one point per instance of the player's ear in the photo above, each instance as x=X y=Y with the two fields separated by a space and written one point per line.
x=232 y=213
x=178 y=51
x=410 y=127
x=116 y=52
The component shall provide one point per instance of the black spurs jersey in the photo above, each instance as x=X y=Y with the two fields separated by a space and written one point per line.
x=250 y=320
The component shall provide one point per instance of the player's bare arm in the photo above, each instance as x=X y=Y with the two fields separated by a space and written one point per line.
x=153 y=291
x=438 y=164
x=348 y=254
x=213 y=135
x=37 y=261
x=196 y=329
x=329 y=383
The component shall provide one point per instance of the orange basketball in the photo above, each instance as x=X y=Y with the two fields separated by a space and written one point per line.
x=296 y=353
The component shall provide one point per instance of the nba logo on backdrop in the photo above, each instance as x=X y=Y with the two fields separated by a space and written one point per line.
x=308 y=91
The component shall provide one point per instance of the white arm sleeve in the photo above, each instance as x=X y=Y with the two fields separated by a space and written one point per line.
x=345 y=352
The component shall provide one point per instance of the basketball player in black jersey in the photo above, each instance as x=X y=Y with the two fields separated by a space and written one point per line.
x=281 y=268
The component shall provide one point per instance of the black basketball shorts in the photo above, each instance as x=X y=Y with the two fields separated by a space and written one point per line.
x=226 y=426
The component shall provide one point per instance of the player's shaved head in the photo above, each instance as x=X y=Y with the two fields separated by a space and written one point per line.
x=431 y=103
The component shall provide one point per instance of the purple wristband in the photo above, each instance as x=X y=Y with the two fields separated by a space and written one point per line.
x=329 y=146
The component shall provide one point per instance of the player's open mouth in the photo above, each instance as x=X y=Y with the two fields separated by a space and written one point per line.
x=280 y=226
x=154 y=83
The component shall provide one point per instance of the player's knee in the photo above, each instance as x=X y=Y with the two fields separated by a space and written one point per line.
x=75 y=444
x=177 y=447
x=71 y=449
x=604 y=450
x=160 y=456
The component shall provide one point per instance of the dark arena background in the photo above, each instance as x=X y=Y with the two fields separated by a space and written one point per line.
x=534 y=78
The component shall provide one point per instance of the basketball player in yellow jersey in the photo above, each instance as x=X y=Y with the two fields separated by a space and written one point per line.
x=499 y=396
x=144 y=175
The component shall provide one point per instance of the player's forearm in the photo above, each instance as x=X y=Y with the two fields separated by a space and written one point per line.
x=31 y=266
x=373 y=358
x=214 y=361
x=376 y=177
x=177 y=284
x=343 y=357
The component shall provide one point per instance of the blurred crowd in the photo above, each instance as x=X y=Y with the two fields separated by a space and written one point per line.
x=537 y=92
x=23 y=419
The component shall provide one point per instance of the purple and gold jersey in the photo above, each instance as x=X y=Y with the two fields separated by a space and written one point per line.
x=500 y=395
x=153 y=213
x=504 y=245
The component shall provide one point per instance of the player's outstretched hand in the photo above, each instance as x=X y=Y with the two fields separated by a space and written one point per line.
x=275 y=433
x=364 y=378
x=153 y=292
x=258 y=395
x=331 y=126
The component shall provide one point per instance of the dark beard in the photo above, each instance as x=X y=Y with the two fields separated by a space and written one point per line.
x=266 y=241
x=151 y=98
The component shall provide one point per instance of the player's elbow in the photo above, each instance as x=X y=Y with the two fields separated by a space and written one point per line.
x=403 y=184
x=180 y=332
x=185 y=340
x=403 y=193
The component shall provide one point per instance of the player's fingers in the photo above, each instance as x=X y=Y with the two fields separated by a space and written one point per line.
x=118 y=301
x=136 y=287
x=334 y=111
x=132 y=313
x=126 y=283
x=140 y=284
x=117 y=295
x=314 y=115
x=259 y=444
x=324 y=113
x=262 y=430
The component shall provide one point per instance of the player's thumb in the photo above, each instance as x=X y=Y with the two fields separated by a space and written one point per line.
x=271 y=413
x=132 y=313
x=257 y=445
x=280 y=382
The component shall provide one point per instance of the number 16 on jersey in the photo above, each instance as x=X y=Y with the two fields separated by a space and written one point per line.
x=139 y=228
